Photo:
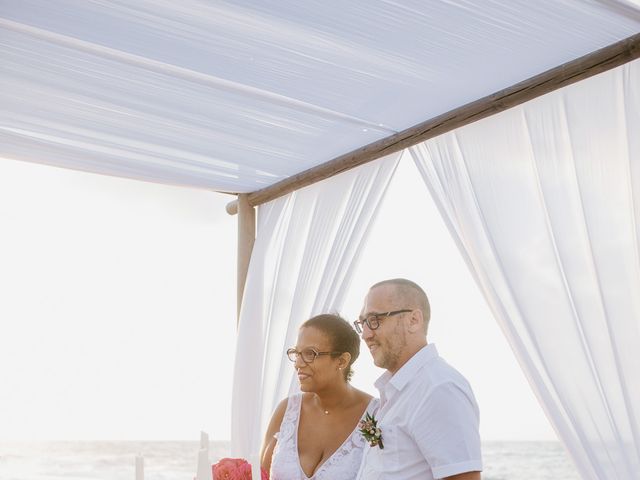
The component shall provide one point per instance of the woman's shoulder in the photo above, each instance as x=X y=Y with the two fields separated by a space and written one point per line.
x=363 y=397
x=289 y=403
x=368 y=403
x=281 y=409
x=278 y=415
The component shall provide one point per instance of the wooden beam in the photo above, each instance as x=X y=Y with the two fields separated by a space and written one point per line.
x=584 y=67
x=246 y=239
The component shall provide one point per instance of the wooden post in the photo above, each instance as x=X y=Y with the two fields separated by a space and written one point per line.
x=246 y=239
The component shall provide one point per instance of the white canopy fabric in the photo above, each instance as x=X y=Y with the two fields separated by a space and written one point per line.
x=544 y=203
x=236 y=95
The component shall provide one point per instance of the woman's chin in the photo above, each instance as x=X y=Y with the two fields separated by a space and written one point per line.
x=305 y=387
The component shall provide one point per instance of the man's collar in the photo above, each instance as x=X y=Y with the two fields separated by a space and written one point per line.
x=382 y=380
x=403 y=376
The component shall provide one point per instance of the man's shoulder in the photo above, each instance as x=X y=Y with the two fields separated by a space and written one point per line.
x=442 y=387
x=438 y=373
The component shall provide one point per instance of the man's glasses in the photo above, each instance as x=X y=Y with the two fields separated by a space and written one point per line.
x=372 y=320
x=308 y=355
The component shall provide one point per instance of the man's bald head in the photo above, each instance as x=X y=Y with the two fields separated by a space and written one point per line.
x=410 y=295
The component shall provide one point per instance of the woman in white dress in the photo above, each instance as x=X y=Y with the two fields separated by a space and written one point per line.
x=314 y=434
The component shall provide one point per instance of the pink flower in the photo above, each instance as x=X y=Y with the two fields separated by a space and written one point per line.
x=227 y=469
x=235 y=469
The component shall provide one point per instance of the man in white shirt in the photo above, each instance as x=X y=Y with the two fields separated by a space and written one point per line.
x=428 y=415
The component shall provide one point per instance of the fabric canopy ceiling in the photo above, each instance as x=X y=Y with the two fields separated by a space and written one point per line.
x=235 y=96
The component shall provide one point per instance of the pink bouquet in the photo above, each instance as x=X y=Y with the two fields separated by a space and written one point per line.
x=235 y=469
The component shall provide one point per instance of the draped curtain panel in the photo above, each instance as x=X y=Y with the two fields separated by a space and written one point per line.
x=544 y=203
x=306 y=249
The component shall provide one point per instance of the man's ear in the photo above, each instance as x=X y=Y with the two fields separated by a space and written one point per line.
x=416 y=321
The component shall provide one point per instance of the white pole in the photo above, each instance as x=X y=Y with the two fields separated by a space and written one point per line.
x=255 y=468
x=204 y=467
x=204 y=441
x=139 y=467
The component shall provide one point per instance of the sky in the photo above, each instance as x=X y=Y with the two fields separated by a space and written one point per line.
x=117 y=308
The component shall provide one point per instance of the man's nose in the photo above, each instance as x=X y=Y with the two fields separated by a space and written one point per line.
x=366 y=332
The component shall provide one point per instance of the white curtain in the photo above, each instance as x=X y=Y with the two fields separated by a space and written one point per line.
x=305 y=252
x=544 y=203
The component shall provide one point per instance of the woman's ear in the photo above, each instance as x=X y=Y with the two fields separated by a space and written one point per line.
x=343 y=360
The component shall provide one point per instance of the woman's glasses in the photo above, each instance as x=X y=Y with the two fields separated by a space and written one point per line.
x=308 y=355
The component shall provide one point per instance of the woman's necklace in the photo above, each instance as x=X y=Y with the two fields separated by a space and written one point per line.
x=325 y=410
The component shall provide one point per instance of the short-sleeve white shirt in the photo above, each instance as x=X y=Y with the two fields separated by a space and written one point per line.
x=429 y=420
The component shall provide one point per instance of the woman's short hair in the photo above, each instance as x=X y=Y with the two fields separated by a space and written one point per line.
x=341 y=334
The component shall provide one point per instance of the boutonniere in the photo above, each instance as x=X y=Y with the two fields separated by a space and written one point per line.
x=370 y=431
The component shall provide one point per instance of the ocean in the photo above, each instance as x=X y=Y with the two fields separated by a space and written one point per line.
x=177 y=460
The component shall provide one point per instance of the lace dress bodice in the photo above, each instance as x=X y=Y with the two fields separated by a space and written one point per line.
x=342 y=465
